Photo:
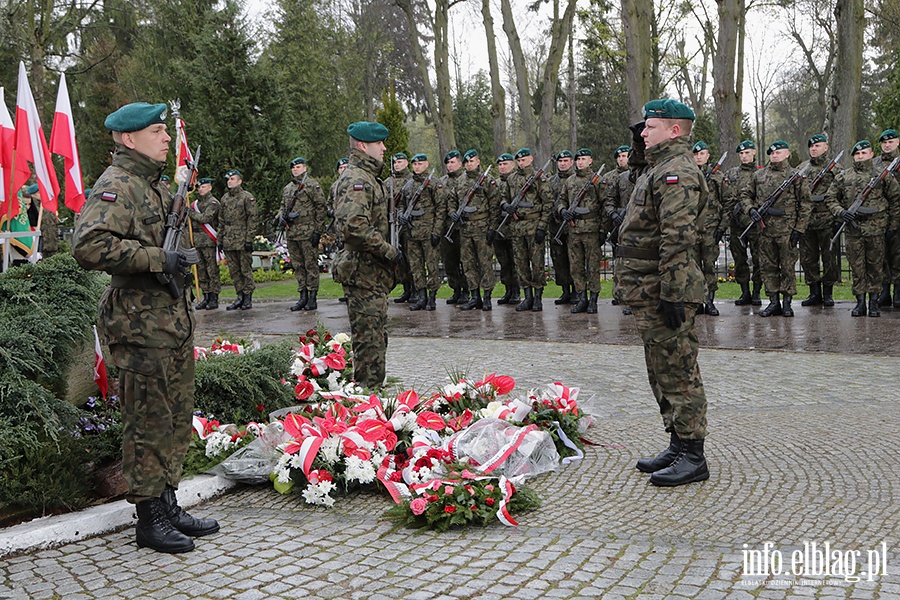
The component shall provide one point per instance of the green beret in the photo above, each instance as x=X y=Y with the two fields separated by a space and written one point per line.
x=667 y=109
x=32 y=189
x=401 y=156
x=165 y=178
x=203 y=180
x=776 y=145
x=817 y=139
x=860 y=145
x=298 y=161
x=564 y=154
x=584 y=152
x=699 y=146
x=419 y=158
x=746 y=145
x=888 y=134
x=366 y=131
x=136 y=116
x=451 y=154
x=341 y=161
x=523 y=152
x=504 y=157
x=620 y=150
x=469 y=155
x=233 y=172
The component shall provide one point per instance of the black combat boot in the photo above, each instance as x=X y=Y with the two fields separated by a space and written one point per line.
x=486 y=301
x=456 y=297
x=615 y=301
x=405 y=296
x=343 y=299
x=592 y=303
x=184 y=522
x=711 y=309
x=744 y=300
x=754 y=296
x=689 y=466
x=474 y=301
x=627 y=311
x=155 y=531
x=773 y=309
x=504 y=299
x=786 y=309
x=237 y=302
x=567 y=295
x=528 y=302
x=304 y=298
x=213 y=303
x=312 y=303
x=896 y=296
x=421 y=300
x=431 y=299
x=815 y=295
x=860 y=309
x=701 y=310
x=874 y=310
x=827 y=299
x=515 y=296
x=884 y=298
x=247 y=304
x=663 y=459
x=203 y=303
x=581 y=304
x=537 y=305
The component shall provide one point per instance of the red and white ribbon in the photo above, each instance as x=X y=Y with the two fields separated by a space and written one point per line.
x=505 y=452
x=568 y=444
x=503 y=512
x=210 y=231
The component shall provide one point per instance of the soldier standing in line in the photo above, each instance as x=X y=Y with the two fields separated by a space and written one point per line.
x=302 y=216
x=890 y=140
x=529 y=231
x=618 y=192
x=450 y=250
x=205 y=212
x=423 y=233
x=341 y=166
x=237 y=216
x=477 y=224
x=366 y=265
x=736 y=181
x=866 y=232
x=814 y=244
x=121 y=230
x=401 y=176
x=586 y=236
x=785 y=223
x=503 y=249
x=711 y=228
x=657 y=275
x=559 y=253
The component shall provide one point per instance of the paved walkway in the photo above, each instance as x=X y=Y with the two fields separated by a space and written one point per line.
x=801 y=451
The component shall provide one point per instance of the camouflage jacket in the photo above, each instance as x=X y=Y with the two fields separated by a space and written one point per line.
x=557 y=182
x=714 y=215
x=657 y=242
x=49 y=230
x=308 y=205
x=819 y=216
x=736 y=181
x=886 y=158
x=618 y=192
x=483 y=210
x=237 y=218
x=361 y=214
x=207 y=215
x=792 y=209
x=448 y=189
x=589 y=215
x=427 y=215
x=120 y=230
x=535 y=207
x=884 y=199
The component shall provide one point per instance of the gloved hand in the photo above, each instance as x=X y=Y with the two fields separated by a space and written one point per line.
x=291 y=216
x=314 y=238
x=755 y=215
x=508 y=208
x=618 y=217
x=567 y=215
x=435 y=240
x=248 y=247
x=330 y=213
x=403 y=220
x=490 y=235
x=455 y=217
x=180 y=260
x=720 y=235
x=848 y=216
x=673 y=313
x=637 y=142
x=282 y=222
x=794 y=240
x=602 y=237
x=398 y=261
x=539 y=236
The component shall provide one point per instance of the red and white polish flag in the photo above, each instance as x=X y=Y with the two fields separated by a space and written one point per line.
x=100 y=366
x=7 y=140
x=31 y=146
x=62 y=142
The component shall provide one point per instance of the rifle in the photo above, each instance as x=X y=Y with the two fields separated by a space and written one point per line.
x=577 y=200
x=519 y=196
x=773 y=197
x=175 y=223
x=717 y=166
x=415 y=198
x=815 y=182
x=465 y=203
x=857 y=206
x=392 y=216
x=288 y=209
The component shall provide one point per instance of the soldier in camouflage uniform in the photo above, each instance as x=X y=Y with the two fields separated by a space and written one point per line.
x=585 y=225
x=401 y=177
x=529 y=231
x=657 y=275
x=366 y=264
x=618 y=192
x=205 y=213
x=450 y=249
x=559 y=253
x=736 y=181
x=476 y=224
x=878 y=218
x=711 y=229
x=341 y=166
x=503 y=249
x=422 y=232
x=120 y=230
x=785 y=223
x=237 y=216
x=890 y=140
x=302 y=216
x=620 y=155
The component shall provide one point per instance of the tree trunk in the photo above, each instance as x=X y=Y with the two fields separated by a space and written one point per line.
x=446 y=137
x=725 y=95
x=637 y=16
x=851 y=25
x=498 y=94
x=518 y=58
x=559 y=29
x=573 y=113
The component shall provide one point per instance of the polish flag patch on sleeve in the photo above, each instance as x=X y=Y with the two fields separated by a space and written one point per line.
x=357 y=187
x=109 y=196
x=671 y=179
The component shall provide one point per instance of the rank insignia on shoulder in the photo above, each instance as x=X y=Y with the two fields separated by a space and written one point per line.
x=671 y=179
x=109 y=196
x=358 y=187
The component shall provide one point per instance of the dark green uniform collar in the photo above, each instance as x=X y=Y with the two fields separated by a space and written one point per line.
x=419 y=177
x=750 y=166
x=666 y=149
x=137 y=163
x=863 y=166
x=565 y=174
x=819 y=161
x=297 y=180
x=585 y=172
x=362 y=160
x=475 y=174
x=889 y=156
x=236 y=189
x=527 y=171
x=457 y=173
x=780 y=166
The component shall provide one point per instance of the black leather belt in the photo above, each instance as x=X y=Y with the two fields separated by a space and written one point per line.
x=143 y=281
x=642 y=253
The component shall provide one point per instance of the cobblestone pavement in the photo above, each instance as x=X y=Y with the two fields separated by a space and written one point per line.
x=801 y=450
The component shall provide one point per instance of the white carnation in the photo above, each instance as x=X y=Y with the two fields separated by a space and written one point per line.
x=342 y=338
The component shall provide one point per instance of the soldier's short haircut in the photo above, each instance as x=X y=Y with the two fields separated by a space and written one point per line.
x=117 y=137
x=686 y=125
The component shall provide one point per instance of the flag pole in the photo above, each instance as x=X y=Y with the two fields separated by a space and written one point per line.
x=194 y=267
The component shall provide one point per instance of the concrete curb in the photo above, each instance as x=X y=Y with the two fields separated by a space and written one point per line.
x=45 y=532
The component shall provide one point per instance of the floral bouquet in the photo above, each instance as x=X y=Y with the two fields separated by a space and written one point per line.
x=222 y=346
x=212 y=442
x=323 y=366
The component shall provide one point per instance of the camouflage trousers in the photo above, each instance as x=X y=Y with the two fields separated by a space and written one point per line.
x=404 y=271
x=240 y=267
x=478 y=260
x=739 y=254
x=367 y=310
x=708 y=253
x=305 y=262
x=504 y=252
x=584 y=257
x=776 y=261
x=865 y=253
x=529 y=257
x=560 y=257
x=671 y=357
x=423 y=261
x=892 y=261
x=814 y=252
x=450 y=255
x=156 y=389
x=208 y=270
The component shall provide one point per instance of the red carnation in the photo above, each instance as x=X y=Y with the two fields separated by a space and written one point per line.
x=489 y=501
x=449 y=509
